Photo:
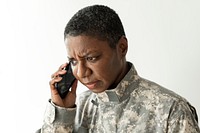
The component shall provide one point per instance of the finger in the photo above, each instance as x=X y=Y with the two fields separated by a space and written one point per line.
x=53 y=81
x=58 y=73
x=62 y=66
x=55 y=97
x=54 y=75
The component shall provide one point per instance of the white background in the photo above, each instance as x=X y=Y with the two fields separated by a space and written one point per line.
x=164 y=45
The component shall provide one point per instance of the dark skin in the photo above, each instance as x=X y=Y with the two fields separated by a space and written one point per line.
x=94 y=63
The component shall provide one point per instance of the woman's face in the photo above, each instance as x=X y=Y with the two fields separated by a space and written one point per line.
x=94 y=63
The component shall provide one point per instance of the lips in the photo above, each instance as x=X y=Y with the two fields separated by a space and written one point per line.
x=91 y=85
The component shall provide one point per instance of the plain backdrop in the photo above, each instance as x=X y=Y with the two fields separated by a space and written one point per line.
x=164 y=45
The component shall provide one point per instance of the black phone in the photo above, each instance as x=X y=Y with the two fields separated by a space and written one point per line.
x=67 y=81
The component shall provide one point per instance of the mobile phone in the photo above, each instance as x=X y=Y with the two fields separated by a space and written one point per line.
x=67 y=81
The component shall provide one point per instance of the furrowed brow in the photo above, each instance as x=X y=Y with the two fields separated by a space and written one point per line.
x=84 y=55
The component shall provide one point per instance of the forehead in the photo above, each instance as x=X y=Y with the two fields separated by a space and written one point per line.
x=85 y=44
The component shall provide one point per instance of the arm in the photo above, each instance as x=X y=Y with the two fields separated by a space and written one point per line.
x=183 y=118
x=58 y=119
x=60 y=113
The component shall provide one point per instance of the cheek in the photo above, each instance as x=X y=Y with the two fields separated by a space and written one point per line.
x=104 y=72
x=113 y=70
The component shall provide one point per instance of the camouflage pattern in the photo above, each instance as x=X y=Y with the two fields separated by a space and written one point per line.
x=136 y=105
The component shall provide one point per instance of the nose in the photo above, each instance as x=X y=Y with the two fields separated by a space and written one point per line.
x=83 y=70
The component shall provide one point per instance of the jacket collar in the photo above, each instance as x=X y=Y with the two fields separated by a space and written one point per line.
x=123 y=89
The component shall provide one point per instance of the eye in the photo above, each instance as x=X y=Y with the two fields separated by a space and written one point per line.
x=73 y=62
x=91 y=59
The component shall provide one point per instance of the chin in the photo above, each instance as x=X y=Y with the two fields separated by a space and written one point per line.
x=97 y=90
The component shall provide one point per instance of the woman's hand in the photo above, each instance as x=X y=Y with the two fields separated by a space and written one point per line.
x=70 y=99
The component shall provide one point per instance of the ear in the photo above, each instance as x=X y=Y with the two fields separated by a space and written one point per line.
x=123 y=46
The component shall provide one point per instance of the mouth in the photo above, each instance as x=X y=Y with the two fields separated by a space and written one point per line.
x=91 y=85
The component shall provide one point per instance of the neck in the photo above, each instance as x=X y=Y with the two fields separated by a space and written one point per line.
x=122 y=74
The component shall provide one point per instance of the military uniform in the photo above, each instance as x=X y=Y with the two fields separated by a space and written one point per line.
x=136 y=105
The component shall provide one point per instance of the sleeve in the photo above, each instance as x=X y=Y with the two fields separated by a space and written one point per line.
x=58 y=119
x=183 y=118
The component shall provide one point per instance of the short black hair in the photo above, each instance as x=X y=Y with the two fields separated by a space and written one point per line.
x=97 y=21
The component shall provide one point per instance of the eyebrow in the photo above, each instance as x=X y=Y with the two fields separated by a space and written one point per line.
x=84 y=54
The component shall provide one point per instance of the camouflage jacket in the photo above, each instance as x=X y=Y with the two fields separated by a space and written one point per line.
x=136 y=105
